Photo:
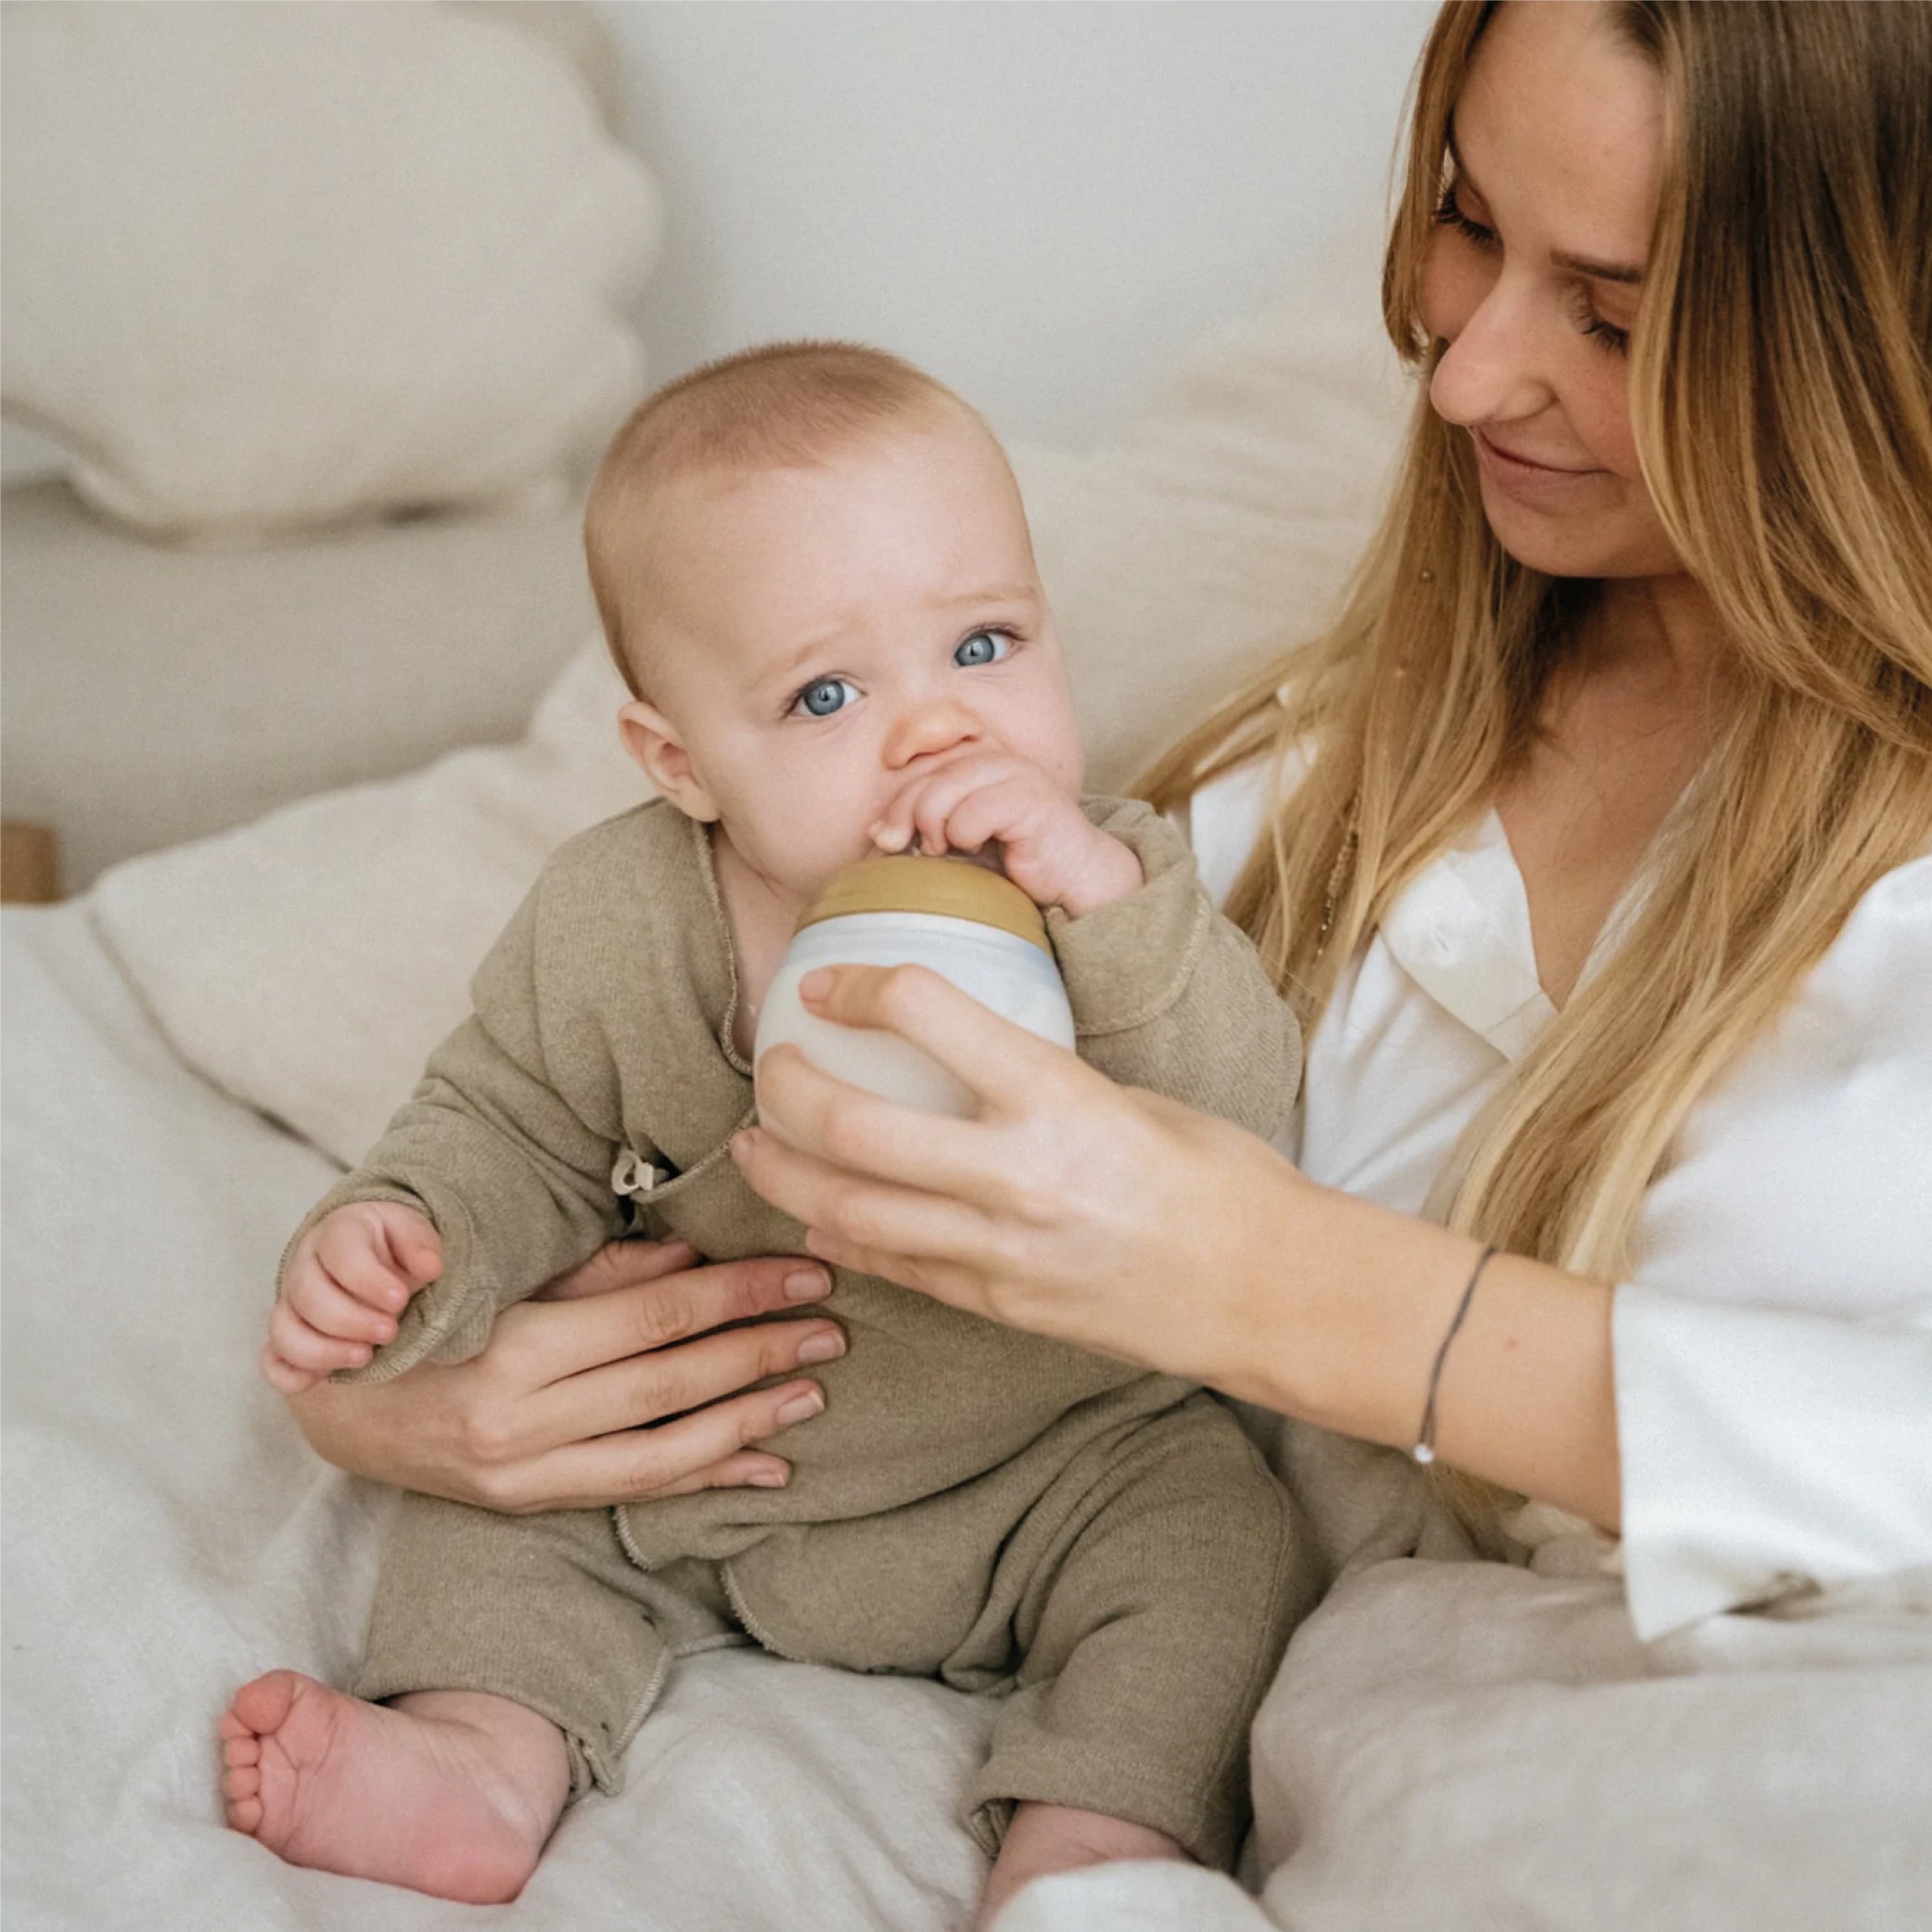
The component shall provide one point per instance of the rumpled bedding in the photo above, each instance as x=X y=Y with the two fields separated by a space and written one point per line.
x=169 y=1535
x=1467 y=1746
x=1453 y=1743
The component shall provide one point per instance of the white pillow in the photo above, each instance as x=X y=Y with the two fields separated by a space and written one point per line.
x=1217 y=532
x=308 y=962
x=276 y=266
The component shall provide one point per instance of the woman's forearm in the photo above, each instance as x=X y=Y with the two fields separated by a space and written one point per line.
x=1527 y=1397
x=1122 y=1222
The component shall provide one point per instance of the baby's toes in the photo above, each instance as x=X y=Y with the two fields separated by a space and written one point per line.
x=262 y=1704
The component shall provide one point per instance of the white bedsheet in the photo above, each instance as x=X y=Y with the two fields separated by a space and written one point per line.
x=1452 y=1745
x=169 y=1535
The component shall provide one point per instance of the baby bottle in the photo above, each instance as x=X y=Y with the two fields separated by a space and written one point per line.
x=974 y=927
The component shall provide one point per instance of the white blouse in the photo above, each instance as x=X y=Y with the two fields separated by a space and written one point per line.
x=1774 y=1355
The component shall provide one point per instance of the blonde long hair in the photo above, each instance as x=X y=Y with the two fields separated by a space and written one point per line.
x=1782 y=400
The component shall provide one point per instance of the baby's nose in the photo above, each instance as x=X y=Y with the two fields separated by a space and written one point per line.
x=930 y=729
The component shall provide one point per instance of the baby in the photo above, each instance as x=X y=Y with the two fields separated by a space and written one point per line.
x=815 y=575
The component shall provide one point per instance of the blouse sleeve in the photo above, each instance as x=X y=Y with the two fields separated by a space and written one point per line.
x=1767 y=1451
x=1774 y=1353
x=1773 y=1358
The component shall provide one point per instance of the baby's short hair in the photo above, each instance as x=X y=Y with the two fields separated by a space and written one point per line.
x=783 y=404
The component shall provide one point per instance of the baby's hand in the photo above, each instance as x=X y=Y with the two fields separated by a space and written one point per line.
x=1052 y=851
x=348 y=1279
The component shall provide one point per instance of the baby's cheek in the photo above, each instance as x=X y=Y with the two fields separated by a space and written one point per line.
x=1059 y=753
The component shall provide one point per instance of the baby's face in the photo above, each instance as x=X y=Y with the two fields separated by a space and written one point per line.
x=818 y=637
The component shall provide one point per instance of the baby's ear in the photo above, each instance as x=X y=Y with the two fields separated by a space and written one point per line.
x=652 y=742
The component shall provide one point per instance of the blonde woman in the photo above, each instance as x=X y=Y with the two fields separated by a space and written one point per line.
x=1595 y=849
x=1595 y=844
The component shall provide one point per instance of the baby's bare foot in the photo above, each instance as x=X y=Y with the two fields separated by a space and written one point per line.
x=449 y=1792
x=1043 y=1838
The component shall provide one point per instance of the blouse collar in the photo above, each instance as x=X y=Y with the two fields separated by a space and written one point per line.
x=1460 y=930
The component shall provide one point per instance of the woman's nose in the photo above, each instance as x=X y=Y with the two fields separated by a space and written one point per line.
x=1492 y=370
x=928 y=730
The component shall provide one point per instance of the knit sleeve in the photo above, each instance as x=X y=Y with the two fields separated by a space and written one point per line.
x=514 y=1177
x=1167 y=994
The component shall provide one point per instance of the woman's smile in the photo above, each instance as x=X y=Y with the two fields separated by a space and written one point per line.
x=1520 y=476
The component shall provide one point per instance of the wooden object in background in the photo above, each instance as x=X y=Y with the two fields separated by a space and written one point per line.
x=30 y=863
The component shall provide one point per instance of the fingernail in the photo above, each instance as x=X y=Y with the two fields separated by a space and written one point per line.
x=740 y=1146
x=806 y=1283
x=801 y=1407
x=821 y=1347
x=769 y=1478
x=816 y=984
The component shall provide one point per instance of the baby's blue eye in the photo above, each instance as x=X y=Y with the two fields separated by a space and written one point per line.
x=824 y=696
x=983 y=648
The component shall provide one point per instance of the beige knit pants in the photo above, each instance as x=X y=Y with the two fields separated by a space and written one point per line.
x=1131 y=1621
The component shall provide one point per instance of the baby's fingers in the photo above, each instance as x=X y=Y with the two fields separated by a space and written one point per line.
x=896 y=829
x=1007 y=811
x=308 y=1349
x=414 y=1246
x=284 y=1377
x=358 y=1251
x=920 y=810
x=330 y=1310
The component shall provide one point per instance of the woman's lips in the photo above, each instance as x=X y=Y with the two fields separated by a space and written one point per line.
x=1523 y=476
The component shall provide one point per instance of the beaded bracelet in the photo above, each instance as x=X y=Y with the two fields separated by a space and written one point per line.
x=1424 y=1450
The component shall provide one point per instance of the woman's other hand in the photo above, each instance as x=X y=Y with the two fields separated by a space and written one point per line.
x=567 y=1406
x=1100 y=1215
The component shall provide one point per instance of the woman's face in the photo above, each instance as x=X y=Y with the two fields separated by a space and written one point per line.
x=1532 y=281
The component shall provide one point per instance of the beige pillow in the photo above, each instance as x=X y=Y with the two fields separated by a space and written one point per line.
x=275 y=266
x=309 y=961
x=1216 y=534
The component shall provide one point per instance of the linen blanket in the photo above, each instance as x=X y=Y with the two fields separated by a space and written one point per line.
x=1451 y=1744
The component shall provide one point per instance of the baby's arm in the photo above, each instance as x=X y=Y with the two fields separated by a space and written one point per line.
x=503 y=1155
x=348 y=1279
x=1168 y=994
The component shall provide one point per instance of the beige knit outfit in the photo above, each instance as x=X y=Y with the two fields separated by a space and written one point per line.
x=1002 y=1512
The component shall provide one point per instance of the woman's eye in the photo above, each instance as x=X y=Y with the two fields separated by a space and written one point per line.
x=1450 y=214
x=822 y=697
x=982 y=647
x=1616 y=340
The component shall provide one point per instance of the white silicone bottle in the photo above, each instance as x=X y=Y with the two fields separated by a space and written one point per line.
x=977 y=929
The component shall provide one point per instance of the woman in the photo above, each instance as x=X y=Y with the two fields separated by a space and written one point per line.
x=1643 y=650
x=1594 y=849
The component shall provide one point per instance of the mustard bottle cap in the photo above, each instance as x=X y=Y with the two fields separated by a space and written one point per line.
x=907 y=882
